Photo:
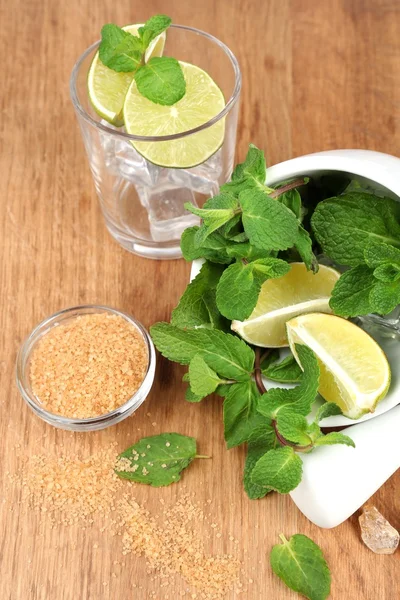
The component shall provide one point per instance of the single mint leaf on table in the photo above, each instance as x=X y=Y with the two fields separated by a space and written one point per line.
x=300 y=564
x=119 y=50
x=345 y=226
x=197 y=306
x=328 y=409
x=157 y=460
x=153 y=27
x=334 y=438
x=240 y=284
x=203 y=380
x=240 y=413
x=384 y=297
x=229 y=356
x=214 y=248
x=351 y=294
x=267 y=223
x=377 y=254
x=161 y=80
x=260 y=441
x=299 y=399
x=285 y=371
x=279 y=469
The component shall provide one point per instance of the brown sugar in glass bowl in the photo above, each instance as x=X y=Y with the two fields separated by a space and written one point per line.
x=85 y=368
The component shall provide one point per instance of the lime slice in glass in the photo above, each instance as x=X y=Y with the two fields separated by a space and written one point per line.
x=107 y=88
x=202 y=101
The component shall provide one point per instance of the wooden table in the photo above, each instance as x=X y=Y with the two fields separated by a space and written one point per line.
x=317 y=75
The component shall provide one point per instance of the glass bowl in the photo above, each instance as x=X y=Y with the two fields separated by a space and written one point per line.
x=92 y=423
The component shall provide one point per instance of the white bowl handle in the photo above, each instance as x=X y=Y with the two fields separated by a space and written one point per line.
x=337 y=480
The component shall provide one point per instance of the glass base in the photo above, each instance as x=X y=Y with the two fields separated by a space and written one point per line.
x=146 y=250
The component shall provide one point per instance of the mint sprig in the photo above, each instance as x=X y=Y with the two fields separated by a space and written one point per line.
x=250 y=233
x=161 y=79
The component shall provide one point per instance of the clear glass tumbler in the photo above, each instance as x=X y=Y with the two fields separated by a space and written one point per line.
x=142 y=203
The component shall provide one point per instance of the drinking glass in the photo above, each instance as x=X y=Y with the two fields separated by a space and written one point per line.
x=142 y=203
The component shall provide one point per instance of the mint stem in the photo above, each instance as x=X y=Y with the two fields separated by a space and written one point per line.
x=286 y=188
x=257 y=373
x=284 y=442
x=202 y=456
x=284 y=540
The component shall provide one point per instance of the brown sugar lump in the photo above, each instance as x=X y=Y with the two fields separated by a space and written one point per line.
x=88 y=365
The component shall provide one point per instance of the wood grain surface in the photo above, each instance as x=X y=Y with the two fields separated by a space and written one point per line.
x=317 y=75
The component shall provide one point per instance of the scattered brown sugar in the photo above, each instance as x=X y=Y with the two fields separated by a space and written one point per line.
x=89 y=366
x=174 y=547
x=67 y=489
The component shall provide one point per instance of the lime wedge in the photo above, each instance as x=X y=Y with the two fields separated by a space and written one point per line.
x=107 y=88
x=299 y=291
x=355 y=373
x=202 y=101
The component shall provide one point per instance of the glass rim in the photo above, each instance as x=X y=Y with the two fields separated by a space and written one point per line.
x=89 y=423
x=159 y=138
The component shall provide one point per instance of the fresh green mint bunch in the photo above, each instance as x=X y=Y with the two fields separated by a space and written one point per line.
x=161 y=79
x=249 y=234
x=361 y=231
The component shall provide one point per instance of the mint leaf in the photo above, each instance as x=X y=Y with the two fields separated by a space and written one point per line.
x=229 y=356
x=388 y=273
x=377 y=254
x=292 y=200
x=286 y=371
x=279 y=469
x=249 y=174
x=328 y=409
x=261 y=440
x=161 y=80
x=299 y=399
x=246 y=250
x=334 y=438
x=240 y=413
x=119 y=50
x=293 y=427
x=300 y=564
x=303 y=246
x=267 y=223
x=197 y=306
x=346 y=225
x=253 y=168
x=152 y=28
x=350 y=296
x=157 y=460
x=216 y=212
x=384 y=297
x=240 y=285
x=203 y=380
x=214 y=248
x=190 y=396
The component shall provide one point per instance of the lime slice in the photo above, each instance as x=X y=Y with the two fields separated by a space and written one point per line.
x=299 y=291
x=202 y=101
x=355 y=373
x=107 y=88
